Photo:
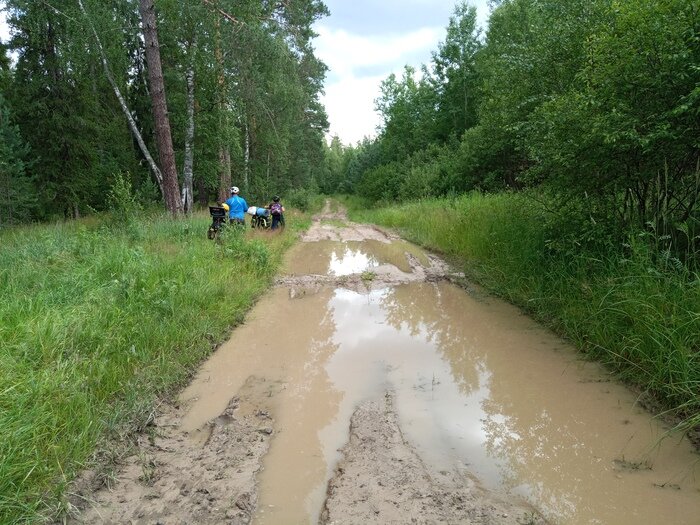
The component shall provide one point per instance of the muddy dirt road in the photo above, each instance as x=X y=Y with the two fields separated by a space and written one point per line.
x=366 y=387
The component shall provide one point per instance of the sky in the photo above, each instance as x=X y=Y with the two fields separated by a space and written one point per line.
x=362 y=42
x=4 y=30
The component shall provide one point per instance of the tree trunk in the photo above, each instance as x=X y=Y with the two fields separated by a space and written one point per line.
x=202 y=193
x=246 y=157
x=224 y=172
x=164 y=139
x=187 y=189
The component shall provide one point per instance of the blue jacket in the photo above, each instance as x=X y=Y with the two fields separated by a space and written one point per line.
x=237 y=207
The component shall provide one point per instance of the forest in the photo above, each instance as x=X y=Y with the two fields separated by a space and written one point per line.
x=594 y=103
x=232 y=91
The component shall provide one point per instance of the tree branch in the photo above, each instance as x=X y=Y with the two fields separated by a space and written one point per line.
x=223 y=13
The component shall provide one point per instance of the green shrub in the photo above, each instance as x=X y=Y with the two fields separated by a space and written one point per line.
x=123 y=202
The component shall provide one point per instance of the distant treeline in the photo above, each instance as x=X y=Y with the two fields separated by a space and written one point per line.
x=241 y=83
x=594 y=103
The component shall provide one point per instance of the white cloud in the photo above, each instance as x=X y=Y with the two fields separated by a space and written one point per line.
x=349 y=103
x=350 y=93
x=365 y=41
x=4 y=29
x=343 y=52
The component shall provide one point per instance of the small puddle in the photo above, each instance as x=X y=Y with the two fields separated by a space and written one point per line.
x=478 y=387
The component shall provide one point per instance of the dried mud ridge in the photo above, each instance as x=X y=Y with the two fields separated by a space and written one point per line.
x=379 y=277
x=334 y=226
x=209 y=477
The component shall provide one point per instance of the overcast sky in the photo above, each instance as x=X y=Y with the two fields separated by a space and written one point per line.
x=4 y=31
x=362 y=42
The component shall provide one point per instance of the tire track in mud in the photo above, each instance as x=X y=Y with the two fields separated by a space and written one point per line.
x=174 y=479
x=382 y=479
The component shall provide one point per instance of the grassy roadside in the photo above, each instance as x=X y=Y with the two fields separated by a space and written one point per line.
x=629 y=307
x=96 y=323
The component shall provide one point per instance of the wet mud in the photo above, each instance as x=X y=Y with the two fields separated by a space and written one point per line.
x=389 y=482
x=172 y=479
x=367 y=388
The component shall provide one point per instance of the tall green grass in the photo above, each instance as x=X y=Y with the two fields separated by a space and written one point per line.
x=97 y=320
x=629 y=306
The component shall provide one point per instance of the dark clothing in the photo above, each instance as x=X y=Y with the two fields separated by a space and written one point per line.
x=277 y=219
x=276 y=210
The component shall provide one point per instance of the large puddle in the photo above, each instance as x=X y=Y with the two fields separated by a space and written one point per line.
x=478 y=387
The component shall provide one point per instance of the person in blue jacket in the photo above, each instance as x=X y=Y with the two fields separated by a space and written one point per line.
x=237 y=207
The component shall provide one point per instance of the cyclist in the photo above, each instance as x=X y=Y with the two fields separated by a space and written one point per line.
x=237 y=207
x=277 y=211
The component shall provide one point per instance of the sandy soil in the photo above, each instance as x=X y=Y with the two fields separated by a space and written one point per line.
x=210 y=477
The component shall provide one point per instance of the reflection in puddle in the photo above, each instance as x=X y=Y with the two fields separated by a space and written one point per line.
x=348 y=258
x=479 y=387
x=350 y=262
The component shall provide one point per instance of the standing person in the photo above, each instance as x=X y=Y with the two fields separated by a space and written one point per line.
x=237 y=207
x=277 y=211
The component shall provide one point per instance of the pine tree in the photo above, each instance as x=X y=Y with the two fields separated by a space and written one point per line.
x=18 y=198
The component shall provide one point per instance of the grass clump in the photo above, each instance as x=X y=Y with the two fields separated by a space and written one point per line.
x=96 y=321
x=627 y=304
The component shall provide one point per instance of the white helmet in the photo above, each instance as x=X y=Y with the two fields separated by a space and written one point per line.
x=234 y=190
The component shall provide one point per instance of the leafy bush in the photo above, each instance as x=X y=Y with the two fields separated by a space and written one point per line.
x=304 y=199
x=123 y=202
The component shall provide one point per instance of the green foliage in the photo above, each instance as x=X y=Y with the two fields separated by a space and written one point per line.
x=122 y=201
x=334 y=167
x=593 y=102
x=456 y=80
x=276 y=92
x=257 y=84
x=95 y=324
x=18 y=200
x=304 y=199
x=76 y=134
x=426 y=173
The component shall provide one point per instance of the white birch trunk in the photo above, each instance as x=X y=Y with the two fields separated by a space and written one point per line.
x=246 y=156
x=187 y=190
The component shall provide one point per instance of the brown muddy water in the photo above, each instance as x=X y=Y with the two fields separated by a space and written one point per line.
x=479 y=388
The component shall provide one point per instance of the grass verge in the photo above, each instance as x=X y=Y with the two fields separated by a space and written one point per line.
x=628 y=306
x=97 y=321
